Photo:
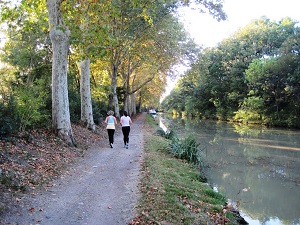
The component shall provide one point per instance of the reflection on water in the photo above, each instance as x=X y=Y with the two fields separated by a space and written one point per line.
x=257 y=168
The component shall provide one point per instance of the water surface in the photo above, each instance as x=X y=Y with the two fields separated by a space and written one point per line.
x=257 y=168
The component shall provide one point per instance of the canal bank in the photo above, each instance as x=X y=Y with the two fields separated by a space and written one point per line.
x=171 y=192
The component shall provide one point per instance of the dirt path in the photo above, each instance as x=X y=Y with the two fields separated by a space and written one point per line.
x=99 y=190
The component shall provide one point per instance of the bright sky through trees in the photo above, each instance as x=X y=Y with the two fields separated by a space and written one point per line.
x=208 y=32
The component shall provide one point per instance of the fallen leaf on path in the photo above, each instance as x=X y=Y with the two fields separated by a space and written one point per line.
x=31 y=210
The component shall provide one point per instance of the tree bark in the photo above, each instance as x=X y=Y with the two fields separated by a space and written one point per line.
x=126 y=99
x=114 y=90
x=85 y=94
x=132 y=104
x=126 y=95
x=59 y=35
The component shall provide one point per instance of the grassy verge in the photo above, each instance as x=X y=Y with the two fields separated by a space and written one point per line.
x=171 y=192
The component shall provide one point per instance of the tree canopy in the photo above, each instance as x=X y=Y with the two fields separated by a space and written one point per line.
x=132 y=47
x=252 y=76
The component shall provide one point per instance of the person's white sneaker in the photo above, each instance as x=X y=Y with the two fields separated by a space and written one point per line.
x=111 y=145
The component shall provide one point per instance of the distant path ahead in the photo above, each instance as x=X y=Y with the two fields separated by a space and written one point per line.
x=100 y=190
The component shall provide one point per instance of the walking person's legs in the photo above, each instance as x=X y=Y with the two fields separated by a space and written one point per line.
x=127 y=134
x=126 y=131
x=124 y=134
x=111 y=133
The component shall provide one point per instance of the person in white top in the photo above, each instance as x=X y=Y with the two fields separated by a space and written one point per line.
x=125 y=121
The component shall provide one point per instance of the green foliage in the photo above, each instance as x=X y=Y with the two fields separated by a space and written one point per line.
x=161 y=132
x=30 y=107
x=27 y=53
x=9 y=119
x=212 y=194
x=168 y=134
x=99 y=111
x=143 y=37
x=251 y=111
x=272 y=95
x=251 y=77
x=187 y=149
x=26 y=100
x=74 y=106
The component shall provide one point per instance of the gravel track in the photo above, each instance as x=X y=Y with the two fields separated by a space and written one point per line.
x=101 y=189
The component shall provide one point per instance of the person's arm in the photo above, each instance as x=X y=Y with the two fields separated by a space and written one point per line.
x=130 y=121
x=105 y=121
x=115 y=120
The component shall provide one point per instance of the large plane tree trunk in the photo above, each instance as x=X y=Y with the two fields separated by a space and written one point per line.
x=59 y=35
x=85 y=94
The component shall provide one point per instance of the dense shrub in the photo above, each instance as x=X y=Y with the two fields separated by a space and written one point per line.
x=74 y=106
x=187 y=149
x=30 y=108
x=24 y=108
x=99 y=111
x=8 y=118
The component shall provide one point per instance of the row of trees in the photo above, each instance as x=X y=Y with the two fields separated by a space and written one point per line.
x=253 y=76
x=77 y=57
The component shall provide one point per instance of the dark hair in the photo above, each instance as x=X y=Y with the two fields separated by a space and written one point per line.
x=125 y=113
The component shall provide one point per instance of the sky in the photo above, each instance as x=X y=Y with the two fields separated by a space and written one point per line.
x=208 y=32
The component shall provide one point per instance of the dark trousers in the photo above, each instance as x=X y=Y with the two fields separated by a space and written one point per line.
x=111 y=133
x=126 y=131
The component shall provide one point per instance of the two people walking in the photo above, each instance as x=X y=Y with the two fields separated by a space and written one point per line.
x=111 y=122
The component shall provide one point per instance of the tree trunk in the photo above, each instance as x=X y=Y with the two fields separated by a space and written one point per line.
x=110 y=101
x=114 y=90
x=126 y=103
x=140 y=102
x=85 y=94
x=132 y=104
x=59 y=35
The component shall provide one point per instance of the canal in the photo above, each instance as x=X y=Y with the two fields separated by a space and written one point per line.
x=257 y=168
